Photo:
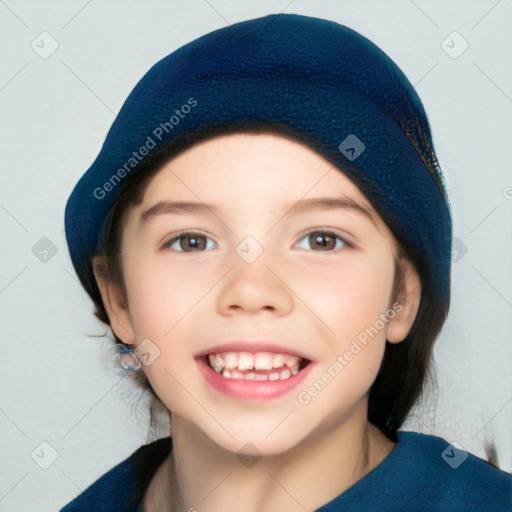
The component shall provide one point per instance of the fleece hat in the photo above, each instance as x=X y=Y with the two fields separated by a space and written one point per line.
x=342 y=96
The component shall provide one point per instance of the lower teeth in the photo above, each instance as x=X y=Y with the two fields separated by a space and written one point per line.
x=281 y=375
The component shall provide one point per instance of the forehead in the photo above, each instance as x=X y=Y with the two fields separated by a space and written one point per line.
x=260 y=166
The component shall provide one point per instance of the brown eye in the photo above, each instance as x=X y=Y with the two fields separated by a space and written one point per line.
x=190 y=242
x=322 y=241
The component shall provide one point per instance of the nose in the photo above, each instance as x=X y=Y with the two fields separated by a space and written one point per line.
x=253 y=287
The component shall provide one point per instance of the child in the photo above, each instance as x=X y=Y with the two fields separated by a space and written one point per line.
x=267 y=233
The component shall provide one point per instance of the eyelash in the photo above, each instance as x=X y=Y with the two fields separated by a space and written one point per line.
x=192 y=234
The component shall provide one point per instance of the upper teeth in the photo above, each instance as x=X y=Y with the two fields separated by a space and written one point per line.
x=248 y=361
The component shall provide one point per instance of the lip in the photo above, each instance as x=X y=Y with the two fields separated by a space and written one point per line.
x=253 y=347
x=250 y=389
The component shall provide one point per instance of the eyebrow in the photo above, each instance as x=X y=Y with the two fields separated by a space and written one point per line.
x=176 y=208
x=330 y=203
x=301 y=206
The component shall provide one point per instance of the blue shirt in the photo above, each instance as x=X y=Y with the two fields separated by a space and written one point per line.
x=422 y=473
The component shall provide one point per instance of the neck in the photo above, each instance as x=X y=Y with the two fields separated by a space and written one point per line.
x=201 y=475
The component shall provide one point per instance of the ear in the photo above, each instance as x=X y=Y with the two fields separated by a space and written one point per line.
x=406 y=304
x=115 y=305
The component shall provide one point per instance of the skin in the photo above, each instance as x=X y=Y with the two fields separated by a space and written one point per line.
x=312 y=298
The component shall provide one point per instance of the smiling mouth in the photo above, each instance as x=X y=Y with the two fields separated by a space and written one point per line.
x=258 y=366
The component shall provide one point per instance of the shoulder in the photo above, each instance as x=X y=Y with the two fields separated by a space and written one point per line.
x=451 y=477
x=122 y=487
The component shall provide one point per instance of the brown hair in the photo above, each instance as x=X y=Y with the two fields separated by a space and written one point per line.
x=406 y=366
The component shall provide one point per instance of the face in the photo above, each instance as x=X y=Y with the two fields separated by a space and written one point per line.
x=261 y=279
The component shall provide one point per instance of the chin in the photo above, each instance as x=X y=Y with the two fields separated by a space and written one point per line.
x=250 y=434
x=254 y=444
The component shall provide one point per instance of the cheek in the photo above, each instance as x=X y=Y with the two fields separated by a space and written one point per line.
x=350 y=297
x=159 y=296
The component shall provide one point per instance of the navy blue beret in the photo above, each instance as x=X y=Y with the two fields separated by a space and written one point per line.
x=331 y=86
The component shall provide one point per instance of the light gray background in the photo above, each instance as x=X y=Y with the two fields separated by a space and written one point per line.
x=58 y=385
